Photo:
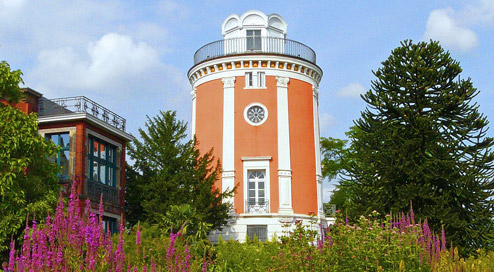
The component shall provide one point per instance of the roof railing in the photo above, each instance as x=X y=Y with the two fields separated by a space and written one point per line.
x=79 y=104
x=254 y=45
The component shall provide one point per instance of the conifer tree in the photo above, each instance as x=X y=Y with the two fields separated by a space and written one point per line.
x=170 y=170
x=422 y=142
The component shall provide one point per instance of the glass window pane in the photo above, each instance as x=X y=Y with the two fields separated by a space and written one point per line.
x=95 y=148
x=260 y=78
x=111 y=155
x=252 y=185
x=252 y=193
x=64 y=162
x=111 y=176
x=260 y=185
x=257 y=43
x=102 y=173
x=64 y=140
x=53 y=138
x=261 y=193
x=260 y=175
x=102 y=149
x=250 y=43
x=251 y=175
x=95 y=171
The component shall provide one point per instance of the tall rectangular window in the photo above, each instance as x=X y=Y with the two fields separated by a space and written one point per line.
x=253 y=39
x=256 y=180
x=261 y=78
x=249 y=79
x=102 y=163
x=62 y=158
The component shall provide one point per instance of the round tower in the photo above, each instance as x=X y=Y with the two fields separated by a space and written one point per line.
x=255 y=101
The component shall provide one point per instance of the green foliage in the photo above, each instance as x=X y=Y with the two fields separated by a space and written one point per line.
x=170 y=171
x=9 y=83
x=28 y=181
x=333 y=154
x=154 y=246
x=186 y=219
x=249 y=256
x=336 y=157
x=422 y=140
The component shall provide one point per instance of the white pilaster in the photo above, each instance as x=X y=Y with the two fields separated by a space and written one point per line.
x=318 y=178
x=228 y=176
x=193 y=125
x=284 y=167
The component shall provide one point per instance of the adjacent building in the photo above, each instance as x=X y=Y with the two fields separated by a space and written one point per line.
x=255 y=101
x=92 y=142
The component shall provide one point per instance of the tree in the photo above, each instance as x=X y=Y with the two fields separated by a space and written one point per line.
x=170 y=171
x=28 y=180
x=421 y=141
x=333 y=153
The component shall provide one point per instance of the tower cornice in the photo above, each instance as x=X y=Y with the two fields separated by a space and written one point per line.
x=271 y=64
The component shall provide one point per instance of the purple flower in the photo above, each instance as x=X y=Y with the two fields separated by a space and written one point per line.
x=443 y=240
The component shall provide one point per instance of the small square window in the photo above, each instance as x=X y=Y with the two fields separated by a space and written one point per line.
x=260 y=231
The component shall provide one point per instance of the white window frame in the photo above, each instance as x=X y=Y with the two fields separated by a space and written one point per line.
x=256 y=163
x=255 y=80
x=254 y=38
x=256 y=189
x=261 y=79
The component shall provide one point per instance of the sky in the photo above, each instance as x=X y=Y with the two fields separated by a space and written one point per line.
x=133 y=56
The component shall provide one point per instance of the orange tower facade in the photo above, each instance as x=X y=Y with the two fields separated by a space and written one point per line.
x=255 y=101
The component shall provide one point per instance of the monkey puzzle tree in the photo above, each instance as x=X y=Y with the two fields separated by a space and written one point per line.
x=423 y=141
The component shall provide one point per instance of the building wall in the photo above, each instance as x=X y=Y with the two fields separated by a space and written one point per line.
x=209 y=119
x=262 y=140
x=301 y=116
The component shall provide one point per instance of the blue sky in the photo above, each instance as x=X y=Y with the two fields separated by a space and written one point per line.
x=133 y=56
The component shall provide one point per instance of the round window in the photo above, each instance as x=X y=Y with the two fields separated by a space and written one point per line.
x=255 y=114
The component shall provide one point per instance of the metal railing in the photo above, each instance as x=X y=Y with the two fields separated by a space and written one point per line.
x=79 y=104
x=110 y=194
x=256 y=206
x=254 y=45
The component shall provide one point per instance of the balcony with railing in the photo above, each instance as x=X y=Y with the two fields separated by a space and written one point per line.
x=254 y=45
x=95 y=190
x=257 y=207
x=79 y=104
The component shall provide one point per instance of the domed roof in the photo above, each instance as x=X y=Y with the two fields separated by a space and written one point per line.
x=272 y=25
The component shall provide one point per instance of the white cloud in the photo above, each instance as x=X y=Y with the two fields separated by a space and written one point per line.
x=112 y=59
x=11 y=3
x=442 y=26
x=481 y=12
x=354 y=89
